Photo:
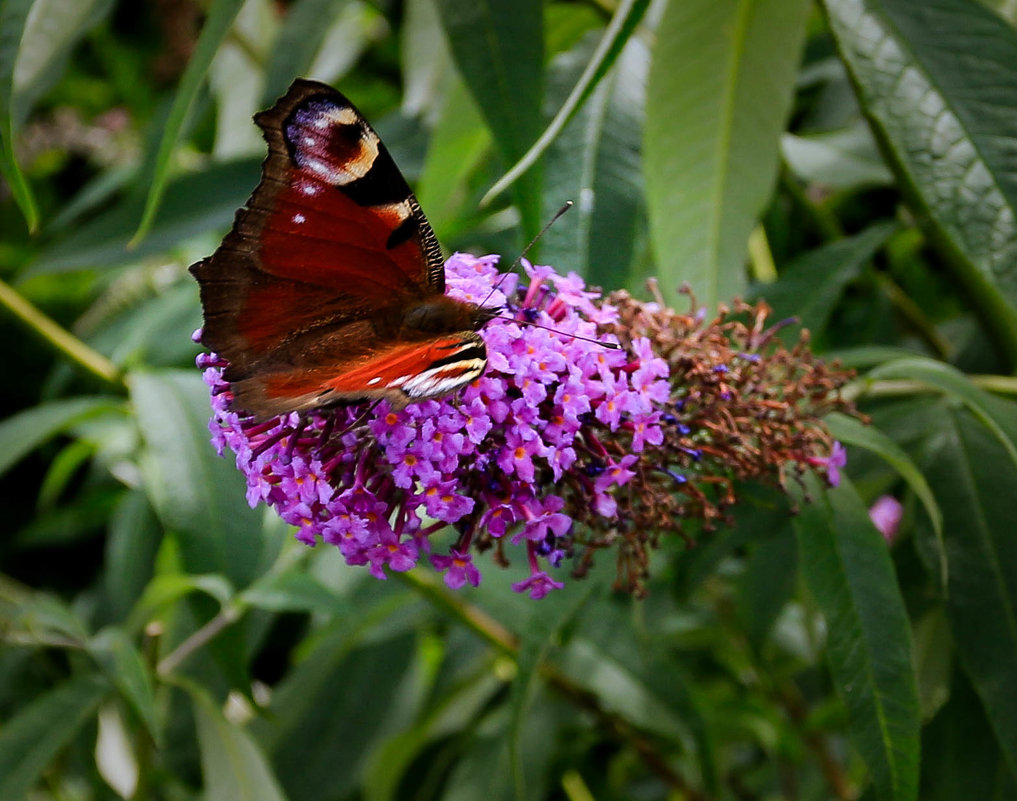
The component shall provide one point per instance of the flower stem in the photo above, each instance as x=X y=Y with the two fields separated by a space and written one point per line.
x=895 y=388
x=472 y=617
x=61 y=339
x=227 y=616
x=761 y=257
x=913 y=313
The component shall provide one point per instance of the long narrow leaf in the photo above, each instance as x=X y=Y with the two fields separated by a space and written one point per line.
x=498 y=46
x=596 y=162
x=538 y=637
x=217 y=25
x=124 y=666
x=811 y=286
x=851 y=432
x=23 y=432
x=233 y=766
x=53 y=29
x=938 y=80
x=13 y=16
x=623 y=23
x=302 y=32
x=954 y=384
x=720 y=89
x=104 y=241
x=848 y=569
x=976 y=482
x=31 y=739
x=195 y=493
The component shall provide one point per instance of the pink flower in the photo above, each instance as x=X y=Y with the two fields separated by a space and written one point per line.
x=886 y=515
x=832 y=463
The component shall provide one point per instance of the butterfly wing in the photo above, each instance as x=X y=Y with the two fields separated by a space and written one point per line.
x=314 y=281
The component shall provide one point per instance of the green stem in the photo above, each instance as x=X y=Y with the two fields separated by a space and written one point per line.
x=997 y=384
x=761 y=257
x=472 y=617
x=913 y=313
x=229 y=615
x=61 y=339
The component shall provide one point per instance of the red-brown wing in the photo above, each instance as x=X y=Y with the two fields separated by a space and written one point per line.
x=331 y=238
x=402 y=372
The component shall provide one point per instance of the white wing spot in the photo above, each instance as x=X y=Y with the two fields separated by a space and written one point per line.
x=309 y=189
x=373 y=381
x=299 y=218
x=319 y=167
x=310 y=141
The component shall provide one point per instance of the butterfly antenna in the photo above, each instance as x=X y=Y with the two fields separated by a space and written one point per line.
x=610 y=345
x=567 y=205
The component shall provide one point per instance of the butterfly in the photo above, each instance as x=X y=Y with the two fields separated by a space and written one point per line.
x=330 y=287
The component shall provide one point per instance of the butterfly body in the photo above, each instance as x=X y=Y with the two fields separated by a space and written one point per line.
x=330 y=288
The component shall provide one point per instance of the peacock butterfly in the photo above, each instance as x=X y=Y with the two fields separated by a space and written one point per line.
x=330 y=287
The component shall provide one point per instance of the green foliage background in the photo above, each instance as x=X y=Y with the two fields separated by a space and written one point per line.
x=852 y=161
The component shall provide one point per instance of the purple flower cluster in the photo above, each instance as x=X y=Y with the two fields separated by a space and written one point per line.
x=378 y=484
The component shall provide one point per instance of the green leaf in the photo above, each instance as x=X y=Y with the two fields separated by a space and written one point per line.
x=851 y=432
x=959 y=756
x=332 y=708
x=294 y=591
x=498 y=46
x=453 y=714
x=13 y=17
x=38 y=619
x=27 y=430
x=132 y=541
x=622 y=691
x=220 y=17
x=459 y=143
x=938 y=81
x=766 y=585
x=197 y=494
x=596 y=163
x=232 y=764
x=810 y=287
x=167 y=589
x=626 y=17
x=720 y=89
x=103 y=243
x=634 y=674
x=123 y=665
x=935 y=659
x=848 y=568
x=975 y=480
x=846 y=159
x=483 y=770
x=303 y=30
x=115 y=753
x=36 y=734
x=53 y=28
x=955 y=384
x=426 y=61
